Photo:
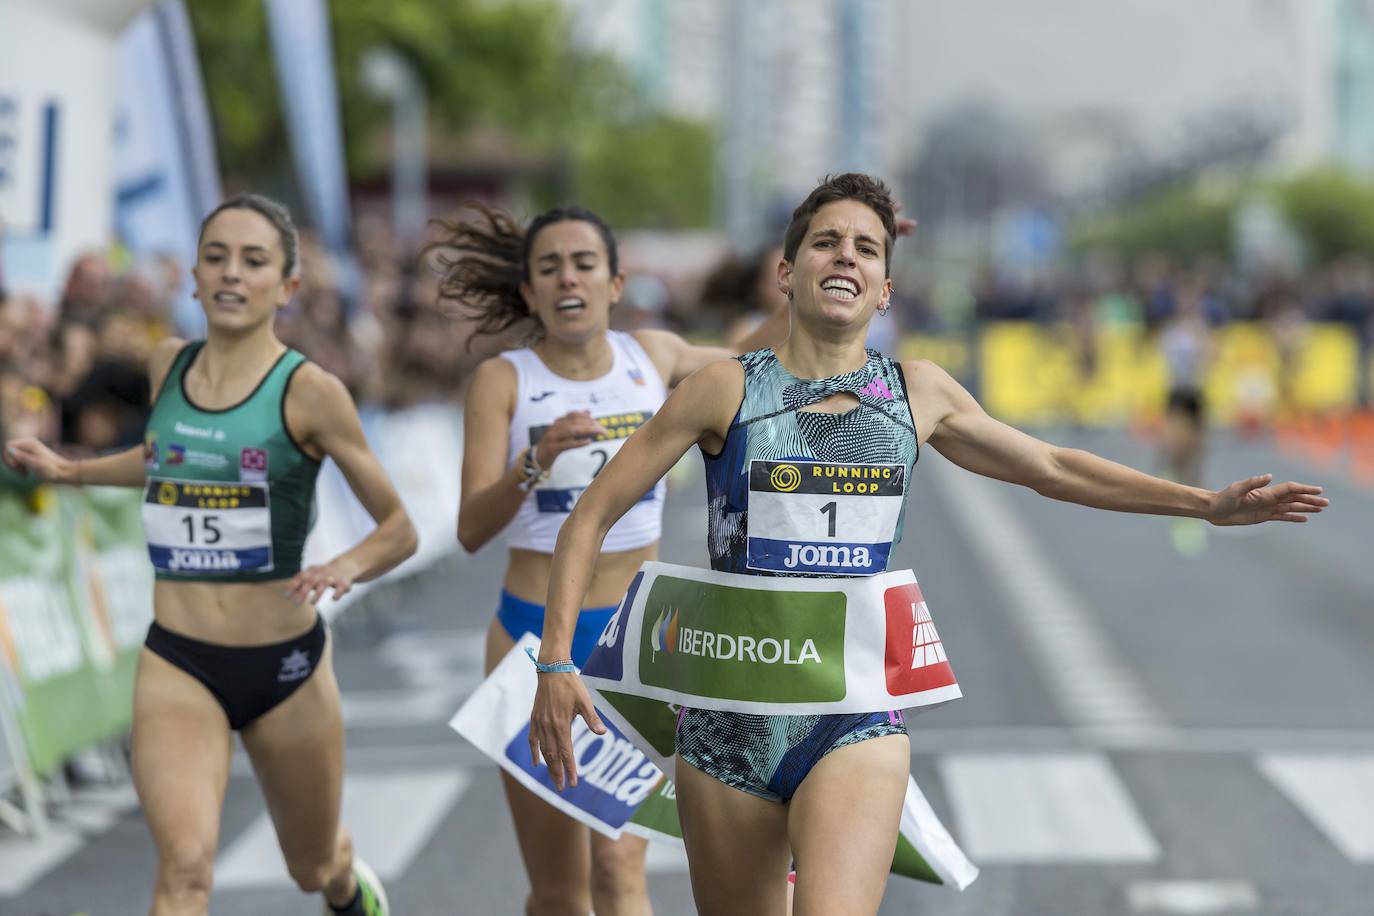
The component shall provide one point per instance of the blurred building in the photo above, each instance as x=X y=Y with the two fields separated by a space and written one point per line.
x=798 y=89
x=1086 y=98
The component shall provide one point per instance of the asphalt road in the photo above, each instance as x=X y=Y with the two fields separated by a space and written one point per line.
x=1157 y=719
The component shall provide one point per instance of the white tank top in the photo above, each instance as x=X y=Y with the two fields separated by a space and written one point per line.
x=622 y=400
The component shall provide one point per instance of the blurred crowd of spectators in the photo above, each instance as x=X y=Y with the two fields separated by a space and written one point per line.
x=1150 y=290
x=74 y=371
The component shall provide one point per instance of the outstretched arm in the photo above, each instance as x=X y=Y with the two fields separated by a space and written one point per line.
x=118 y=469
x=964 y=433
x=700 y=410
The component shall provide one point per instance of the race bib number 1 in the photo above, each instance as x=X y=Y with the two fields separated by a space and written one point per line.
x=204 y=527
x=823 y=517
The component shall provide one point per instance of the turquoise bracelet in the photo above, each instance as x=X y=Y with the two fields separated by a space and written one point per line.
x=565 y=667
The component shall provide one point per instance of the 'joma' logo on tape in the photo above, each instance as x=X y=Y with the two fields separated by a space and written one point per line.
x=828 y=555
x=214 y=560
x=614 y=765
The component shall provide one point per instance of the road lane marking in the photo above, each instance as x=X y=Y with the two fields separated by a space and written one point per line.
x=665 y=859
x=1094 y=689
x=1035 y=809
x=1191 y=897
x=1336 y=794
x=390 y=818
x=26 y=860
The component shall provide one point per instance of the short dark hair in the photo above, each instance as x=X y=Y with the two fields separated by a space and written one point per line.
x=866 y=189
x=274 y=213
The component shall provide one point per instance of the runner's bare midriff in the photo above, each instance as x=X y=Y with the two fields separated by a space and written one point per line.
x=527 y=575
x=231 y=613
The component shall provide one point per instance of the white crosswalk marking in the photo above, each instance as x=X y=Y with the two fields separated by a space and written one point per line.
x=1192 y=897
x=398 y=708
x=1096 y=691
x=87 y=813
x=390 y=818
x=1336 y=793
x=1044 y=808
x=24 y=860
x=664 y=859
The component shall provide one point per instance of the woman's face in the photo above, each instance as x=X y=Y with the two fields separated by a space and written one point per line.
x=571 y=288
x=239 y=271
x=839 y=274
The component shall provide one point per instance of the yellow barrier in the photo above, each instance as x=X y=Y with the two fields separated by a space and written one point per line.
x=1033 y=374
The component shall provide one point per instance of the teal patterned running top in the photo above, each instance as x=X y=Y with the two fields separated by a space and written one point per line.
x=800 y=492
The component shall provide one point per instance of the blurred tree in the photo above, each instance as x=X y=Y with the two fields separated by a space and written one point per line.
x=1185 y=221
x=1331 y=210
x=511 y=66
x=652 y=171
x=236 y=60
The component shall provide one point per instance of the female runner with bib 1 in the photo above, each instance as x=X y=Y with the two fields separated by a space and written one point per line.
x=755 y=791
x=239 y=427
x=539 y=424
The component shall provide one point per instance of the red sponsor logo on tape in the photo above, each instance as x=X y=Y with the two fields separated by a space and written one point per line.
x=915 y=659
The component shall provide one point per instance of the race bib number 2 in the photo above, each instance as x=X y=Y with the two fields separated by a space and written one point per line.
x=823 y=517
x=204 y=527
x=574 y=470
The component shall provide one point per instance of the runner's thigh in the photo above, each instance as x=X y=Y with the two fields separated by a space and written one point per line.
x=297 y=753
x=181 y=745
x=843 y=826
x=736 y=846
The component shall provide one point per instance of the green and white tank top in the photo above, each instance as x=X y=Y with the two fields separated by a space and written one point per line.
x=797 y=492
x=230 y=495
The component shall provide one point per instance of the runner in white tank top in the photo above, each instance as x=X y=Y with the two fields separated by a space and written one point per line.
x=539 y=424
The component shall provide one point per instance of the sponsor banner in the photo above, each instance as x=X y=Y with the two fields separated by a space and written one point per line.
x=823 y=517
x=773 y=646
x=656 y=819
x=614 y=777
x=71 y=631
x=165 y=174
x=621 y=790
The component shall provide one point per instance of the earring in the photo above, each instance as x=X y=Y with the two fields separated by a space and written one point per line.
x=882 y=309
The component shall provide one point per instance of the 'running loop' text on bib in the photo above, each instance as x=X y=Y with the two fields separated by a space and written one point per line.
x=200 y=527
x=823 y=517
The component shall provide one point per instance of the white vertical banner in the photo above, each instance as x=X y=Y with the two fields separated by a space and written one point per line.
x=166 y=173
x=304 y=57
x=56 y=99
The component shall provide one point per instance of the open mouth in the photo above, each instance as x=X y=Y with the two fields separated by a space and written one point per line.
x=842 y=288
x=230 y=299
x=570 y=304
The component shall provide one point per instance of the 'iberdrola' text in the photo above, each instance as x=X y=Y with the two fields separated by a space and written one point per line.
x=728 y=647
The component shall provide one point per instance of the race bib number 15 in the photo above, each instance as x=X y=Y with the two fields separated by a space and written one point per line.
x=823 y=517
x=204 y=527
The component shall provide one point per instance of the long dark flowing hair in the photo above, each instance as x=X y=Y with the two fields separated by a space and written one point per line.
x=483 y=261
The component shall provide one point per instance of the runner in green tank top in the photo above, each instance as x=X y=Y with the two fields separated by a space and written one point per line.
x=239 y=427
x=840 y=824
